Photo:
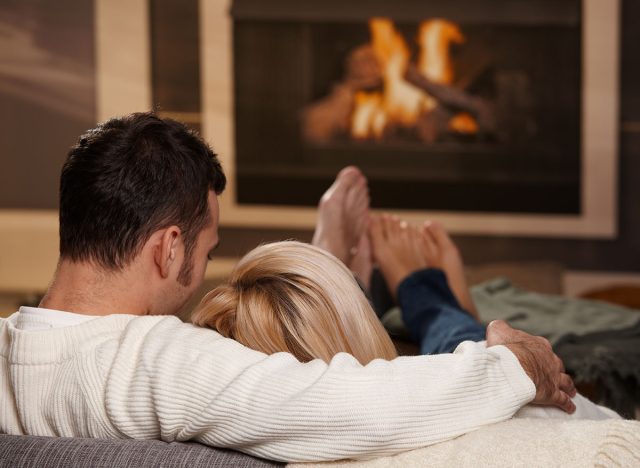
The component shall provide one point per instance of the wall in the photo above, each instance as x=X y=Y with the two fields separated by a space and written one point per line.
x=47 y=95
x=47 y=98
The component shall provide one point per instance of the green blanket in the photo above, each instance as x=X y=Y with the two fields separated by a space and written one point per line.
x=547 y=315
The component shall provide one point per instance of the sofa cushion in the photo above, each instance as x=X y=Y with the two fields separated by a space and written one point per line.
x=47 y=452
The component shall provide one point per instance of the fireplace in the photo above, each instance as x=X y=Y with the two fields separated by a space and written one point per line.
x=470 y=106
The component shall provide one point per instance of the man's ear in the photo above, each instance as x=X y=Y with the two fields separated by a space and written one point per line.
x=166 y=250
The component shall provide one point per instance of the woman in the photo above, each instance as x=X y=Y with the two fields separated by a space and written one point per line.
x=297 y=298
x=294 y=297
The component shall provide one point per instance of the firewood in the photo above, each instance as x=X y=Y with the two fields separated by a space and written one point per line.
x=363 y=71
x=328 y=117
x=455 y=99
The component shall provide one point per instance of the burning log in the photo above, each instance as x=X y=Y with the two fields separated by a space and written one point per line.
x=329 y=117
x=384 y=97
x=433 y=123
x=455 y=99
x=363 y=69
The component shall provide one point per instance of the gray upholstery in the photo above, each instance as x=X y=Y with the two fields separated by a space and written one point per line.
x=48 y=452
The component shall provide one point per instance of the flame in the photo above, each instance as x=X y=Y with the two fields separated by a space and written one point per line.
x=401 y=103
x=368 y=118
x=435 y=38
x=463 y=123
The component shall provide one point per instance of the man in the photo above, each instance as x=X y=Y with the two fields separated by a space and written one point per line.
x=104 y=357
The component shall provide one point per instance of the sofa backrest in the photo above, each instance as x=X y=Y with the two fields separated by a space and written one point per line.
x=49 y=452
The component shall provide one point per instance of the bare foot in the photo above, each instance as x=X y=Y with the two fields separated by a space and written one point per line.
x=362 y=261
x=441 y=252
x=397 y=248
x=343 y=212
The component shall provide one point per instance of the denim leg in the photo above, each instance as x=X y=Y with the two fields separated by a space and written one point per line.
x=432 y=314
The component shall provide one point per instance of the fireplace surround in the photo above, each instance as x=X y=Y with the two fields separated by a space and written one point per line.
x=590 y=214
x=495 y=128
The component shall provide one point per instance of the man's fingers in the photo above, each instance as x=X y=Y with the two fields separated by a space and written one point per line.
x=566 y=385
x=562 y=401
x=498 y=325
x=546 y=343
x=498 y=333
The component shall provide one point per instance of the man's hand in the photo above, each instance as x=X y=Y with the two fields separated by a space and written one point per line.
x=553 y=386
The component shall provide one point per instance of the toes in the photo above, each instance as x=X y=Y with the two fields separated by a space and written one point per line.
x=362 y=261
x=395 y=227
x=387 y=226
x=364 y=245
x=356 y=207
x=357 y=199
x=361 y=224
x=376 y=229
x=430 y=247
x=440 y=235
x=416 y=244
x=349 y=177
x=345 y=207
x=377 y=234
x=346 y=178
x=349 y=173
x=339 y=226
x=404 y=231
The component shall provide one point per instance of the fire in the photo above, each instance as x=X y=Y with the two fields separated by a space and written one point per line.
x=463 y=123
x=400 y=103
x=368 y=118
x=435 y=37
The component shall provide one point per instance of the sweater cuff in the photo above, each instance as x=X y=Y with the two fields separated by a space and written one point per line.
x=523 y=387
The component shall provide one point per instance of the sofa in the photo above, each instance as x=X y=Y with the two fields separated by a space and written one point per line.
x=516 y=442
x=50 y=452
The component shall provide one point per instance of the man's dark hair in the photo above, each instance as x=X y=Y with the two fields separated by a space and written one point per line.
x=129 y=177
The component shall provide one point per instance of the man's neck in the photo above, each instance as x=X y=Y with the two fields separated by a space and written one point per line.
x=84 y=288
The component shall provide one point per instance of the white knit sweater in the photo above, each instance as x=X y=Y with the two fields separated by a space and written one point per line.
x=155 y=377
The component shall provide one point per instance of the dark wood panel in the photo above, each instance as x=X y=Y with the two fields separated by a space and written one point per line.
x=559 y=12
x=630 y=65
x=175 y=55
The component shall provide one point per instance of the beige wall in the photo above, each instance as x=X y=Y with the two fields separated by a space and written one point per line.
x=29 y=247
x=28 y=240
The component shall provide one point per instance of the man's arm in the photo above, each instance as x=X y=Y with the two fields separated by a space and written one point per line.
x=178 y=382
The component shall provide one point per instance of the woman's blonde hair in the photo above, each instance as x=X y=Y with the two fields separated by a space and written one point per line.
x=294 y=297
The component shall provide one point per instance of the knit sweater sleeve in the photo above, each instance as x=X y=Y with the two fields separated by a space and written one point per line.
x=177 y=382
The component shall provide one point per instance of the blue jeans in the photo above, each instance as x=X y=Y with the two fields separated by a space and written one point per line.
x=433 y=315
